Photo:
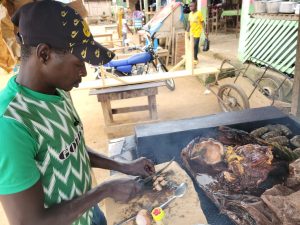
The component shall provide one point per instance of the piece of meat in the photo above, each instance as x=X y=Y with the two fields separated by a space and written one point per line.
x=271 y=134
x=281 y=140
x=204 y=156
x=248 y=170
x=259 y=132
x=295 y=141
x=280 y=128
x=230 y=136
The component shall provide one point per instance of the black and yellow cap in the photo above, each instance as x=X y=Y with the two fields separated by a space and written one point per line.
x=61 y=27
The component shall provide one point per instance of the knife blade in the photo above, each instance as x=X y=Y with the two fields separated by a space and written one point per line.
x=127 y=220
x=148 y=179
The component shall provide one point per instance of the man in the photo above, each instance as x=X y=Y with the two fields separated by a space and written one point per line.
x=44 y=162
x=195 y=27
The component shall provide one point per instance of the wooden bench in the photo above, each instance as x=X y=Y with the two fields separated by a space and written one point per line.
x=106 y=95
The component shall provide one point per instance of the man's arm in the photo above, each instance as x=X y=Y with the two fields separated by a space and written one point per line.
x=128 y=28
x=101 y=161
x=204 y=28
x=141 y=166
x=27 y=207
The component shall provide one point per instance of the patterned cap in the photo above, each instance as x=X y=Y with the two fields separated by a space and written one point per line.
x=61 y=27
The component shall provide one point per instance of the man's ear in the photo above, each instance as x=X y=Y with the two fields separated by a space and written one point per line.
x=43 y=53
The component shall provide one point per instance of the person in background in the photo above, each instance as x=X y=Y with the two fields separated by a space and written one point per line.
x=125 y=27
x=195 y=27
x=137 y=17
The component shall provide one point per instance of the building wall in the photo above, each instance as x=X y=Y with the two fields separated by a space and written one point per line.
x=96 y=8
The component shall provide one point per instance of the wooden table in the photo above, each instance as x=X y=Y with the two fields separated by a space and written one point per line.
x=232 y=13
x=106 y=95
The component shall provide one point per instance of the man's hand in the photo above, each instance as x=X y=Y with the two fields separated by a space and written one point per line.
x=124 y=189
x=139 y=167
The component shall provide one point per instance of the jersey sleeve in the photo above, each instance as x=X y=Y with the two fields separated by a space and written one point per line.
x=17 y=151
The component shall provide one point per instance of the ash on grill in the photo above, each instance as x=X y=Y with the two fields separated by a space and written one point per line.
x=241 y=166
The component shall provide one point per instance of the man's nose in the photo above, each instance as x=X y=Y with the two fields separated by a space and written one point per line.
x=83 y=71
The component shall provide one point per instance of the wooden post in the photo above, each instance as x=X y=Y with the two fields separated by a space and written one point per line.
x=173 y=45
x=296 y=85
x=247 y=8
x=189 y=52
x=158 y=5
x=146 y=10
x=192 y=53
x=152 y=107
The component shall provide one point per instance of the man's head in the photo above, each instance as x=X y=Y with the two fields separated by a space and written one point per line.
x=53 y=68
x=57 y=41
x=193 y=6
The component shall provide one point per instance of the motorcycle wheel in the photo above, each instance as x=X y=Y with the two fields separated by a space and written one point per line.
x=170 y=83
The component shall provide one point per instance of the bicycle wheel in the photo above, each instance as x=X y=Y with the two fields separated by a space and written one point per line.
x=232 y=98
x=269 y=85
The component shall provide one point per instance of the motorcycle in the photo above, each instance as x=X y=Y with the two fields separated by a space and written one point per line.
x=140 y=64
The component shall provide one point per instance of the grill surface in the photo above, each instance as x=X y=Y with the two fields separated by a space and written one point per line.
x=162 y=141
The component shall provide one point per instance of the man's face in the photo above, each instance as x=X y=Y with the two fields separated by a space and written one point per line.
x=64 y=71
x=193 y=7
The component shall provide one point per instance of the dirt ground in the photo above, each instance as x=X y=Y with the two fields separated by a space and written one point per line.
x=188 y=100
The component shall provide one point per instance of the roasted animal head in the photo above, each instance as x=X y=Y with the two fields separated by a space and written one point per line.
x=204 y=156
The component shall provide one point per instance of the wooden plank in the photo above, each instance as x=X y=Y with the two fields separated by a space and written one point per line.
x=267 y=32
x=103 y=35
x=126 y=88
x=254 y=28
x=257 y=37
x=132 y=94
x=275 y=16
x=296 y=84
x=284 y=46
x=178 y=65
x=270 y=39
x=130 y=109
x=288 y=46
x=110 y=82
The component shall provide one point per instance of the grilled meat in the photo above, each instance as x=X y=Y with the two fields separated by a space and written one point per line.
x=204 y=156
x=295 y=141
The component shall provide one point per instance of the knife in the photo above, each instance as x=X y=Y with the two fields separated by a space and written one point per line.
x=145 y=181
x=149 y=178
